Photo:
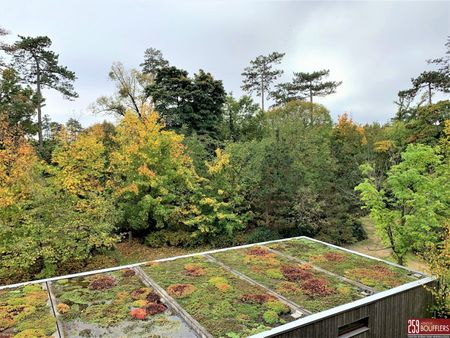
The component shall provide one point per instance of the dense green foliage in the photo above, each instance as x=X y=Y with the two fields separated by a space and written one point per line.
x=412 y=204
x=193 y=103
x=17 y=101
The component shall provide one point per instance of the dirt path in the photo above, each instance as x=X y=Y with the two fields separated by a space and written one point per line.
x=373 y=246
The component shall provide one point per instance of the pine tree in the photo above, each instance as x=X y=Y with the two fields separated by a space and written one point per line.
x=312 y=84
x=38 y=65
x=260 y=75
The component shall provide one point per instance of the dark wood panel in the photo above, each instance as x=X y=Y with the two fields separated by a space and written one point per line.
x=387 y=317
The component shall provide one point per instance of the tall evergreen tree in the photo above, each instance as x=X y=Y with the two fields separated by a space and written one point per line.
x=170 y=91
x=312 y=84
x=285 y=92
x=431 y=81
x=39 y=66
x=260 y=75
x=405 y=99
x=208 y=97
x=192 y=103
x=153 y=61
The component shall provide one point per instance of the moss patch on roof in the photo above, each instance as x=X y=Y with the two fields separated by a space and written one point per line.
x=370 y=272
x=310 y=289
x=220 y=301
x=114 y=304
x=25 y=312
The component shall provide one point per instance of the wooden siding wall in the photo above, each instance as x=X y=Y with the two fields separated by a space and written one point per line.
x=387 y=317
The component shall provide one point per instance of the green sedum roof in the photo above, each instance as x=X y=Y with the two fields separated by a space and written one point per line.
x=233 y=292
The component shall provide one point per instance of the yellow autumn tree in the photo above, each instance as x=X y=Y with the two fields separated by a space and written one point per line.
x=19 y=166
x=45 y=225
x=156 y=187
x=346 y=126
x=81 y=163
x=152 y=176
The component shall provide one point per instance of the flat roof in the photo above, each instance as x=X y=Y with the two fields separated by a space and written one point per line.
x=257 y=290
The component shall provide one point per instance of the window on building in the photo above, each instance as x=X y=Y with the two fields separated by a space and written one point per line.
x=354 y=329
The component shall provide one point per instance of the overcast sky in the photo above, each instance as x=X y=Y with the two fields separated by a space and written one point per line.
x=373 y=47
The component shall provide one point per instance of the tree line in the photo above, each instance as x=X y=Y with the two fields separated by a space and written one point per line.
x=189 y=164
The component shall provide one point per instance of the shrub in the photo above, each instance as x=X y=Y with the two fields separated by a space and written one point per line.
x=180 y=290
x=316 y=287
x=262 y=234
x=294 y=273
x=172 y=238
x=140 y=293
x=138 y=313
x=155 y=239
x=270 y=317
x=224 y=240
x=153 y=297
x=358 y=230
x=179 y=238
x=154 y=308
x=63 y=308
x=103 y=282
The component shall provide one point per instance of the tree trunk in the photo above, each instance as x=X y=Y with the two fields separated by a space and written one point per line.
x=231 y=123
x=39 y=107
x=262 y=93
x=429 y=93
x=311 y=103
